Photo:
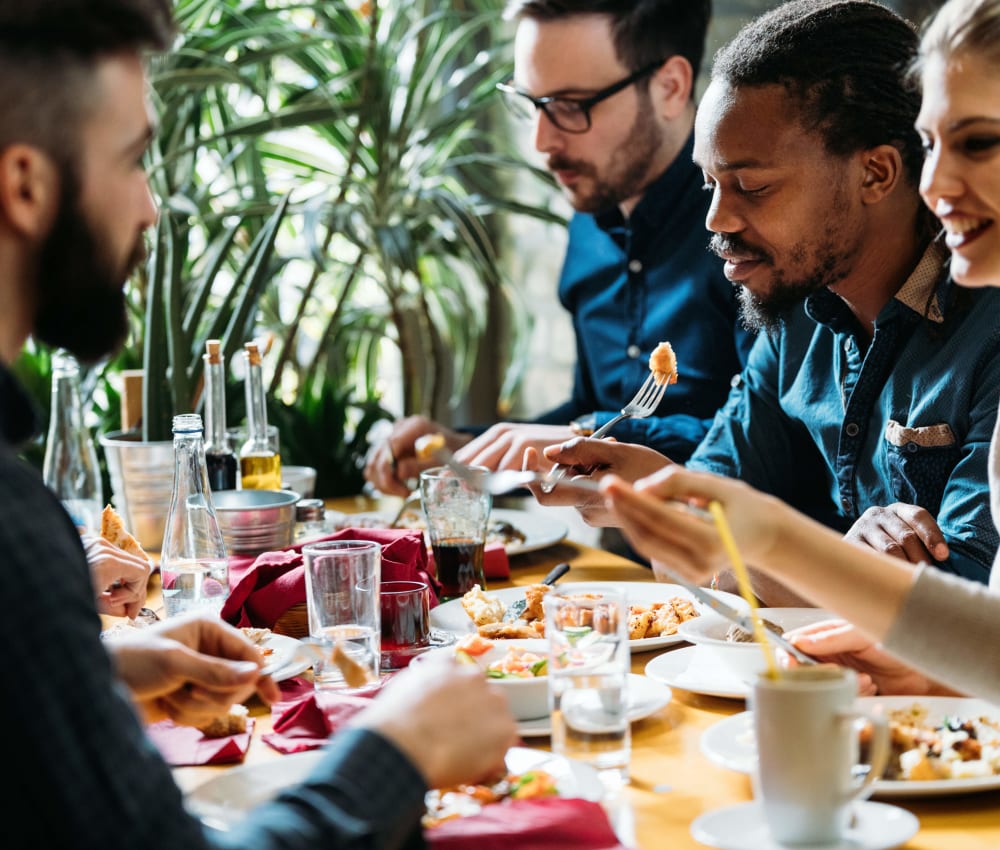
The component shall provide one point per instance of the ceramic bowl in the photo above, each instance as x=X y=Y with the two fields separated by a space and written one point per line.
x=255 y=521
x=299 y=479
x=745 y=659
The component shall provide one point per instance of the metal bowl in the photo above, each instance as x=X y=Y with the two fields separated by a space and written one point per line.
x=255 y=521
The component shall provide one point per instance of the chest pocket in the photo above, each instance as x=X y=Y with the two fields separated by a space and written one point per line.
x=921 y=461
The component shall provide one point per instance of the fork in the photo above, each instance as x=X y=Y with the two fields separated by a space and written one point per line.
x=643 y=404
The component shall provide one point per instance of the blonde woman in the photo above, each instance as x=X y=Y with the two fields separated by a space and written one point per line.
x=946 y=627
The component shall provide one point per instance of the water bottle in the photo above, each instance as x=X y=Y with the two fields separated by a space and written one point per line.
x=193 y=560
x=70 y=467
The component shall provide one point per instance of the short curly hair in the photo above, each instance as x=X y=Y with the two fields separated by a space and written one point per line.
x=847 y=64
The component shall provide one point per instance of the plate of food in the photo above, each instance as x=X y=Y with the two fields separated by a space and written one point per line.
x=518 y=531
x=655 y=611
x=221 y=801
x=940 y=745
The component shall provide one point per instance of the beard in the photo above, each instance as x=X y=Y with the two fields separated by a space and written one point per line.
x=765 y=311
x=81 y=303
x=627 y=171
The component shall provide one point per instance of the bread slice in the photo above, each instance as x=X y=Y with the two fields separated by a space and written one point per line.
x=113 y=530
x=232 y=723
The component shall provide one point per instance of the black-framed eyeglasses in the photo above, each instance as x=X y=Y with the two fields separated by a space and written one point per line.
x=570 y=114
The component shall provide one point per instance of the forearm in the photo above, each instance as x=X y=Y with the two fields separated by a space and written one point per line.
x=861 y=585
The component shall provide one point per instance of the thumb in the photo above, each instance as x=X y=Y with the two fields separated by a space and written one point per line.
x=212 y=672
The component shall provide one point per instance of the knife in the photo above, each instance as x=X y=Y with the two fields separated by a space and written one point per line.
x=744 y=621
x=516 y=609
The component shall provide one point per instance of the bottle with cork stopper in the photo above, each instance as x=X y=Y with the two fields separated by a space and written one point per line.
x=219 y=456
x=260 y=464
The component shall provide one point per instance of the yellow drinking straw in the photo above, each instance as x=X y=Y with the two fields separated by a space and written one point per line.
x=743 y=580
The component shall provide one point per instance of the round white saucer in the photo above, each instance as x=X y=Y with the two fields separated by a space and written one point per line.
x=697 y=669
x=878 y=826
x=644 y=698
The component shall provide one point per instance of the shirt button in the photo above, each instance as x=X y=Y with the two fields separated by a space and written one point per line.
x=635 y=266
x=633 y=351
x=845 y=503
x=852 y=429
x=737 y=379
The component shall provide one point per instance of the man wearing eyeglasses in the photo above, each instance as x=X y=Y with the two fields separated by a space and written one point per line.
x=609 y=89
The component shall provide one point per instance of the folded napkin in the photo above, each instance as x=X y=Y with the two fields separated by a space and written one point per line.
x=543 y=823
x=261 y=589
x=183 y=746
x=308 y=717
x=495 y=561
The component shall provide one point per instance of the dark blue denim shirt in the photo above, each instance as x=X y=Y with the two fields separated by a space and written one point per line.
x=834 y=425
x=633 y=283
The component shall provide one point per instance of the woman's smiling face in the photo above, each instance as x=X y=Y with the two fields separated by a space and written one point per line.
x=959 y=123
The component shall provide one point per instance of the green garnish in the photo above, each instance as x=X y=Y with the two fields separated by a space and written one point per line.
x=539 y=668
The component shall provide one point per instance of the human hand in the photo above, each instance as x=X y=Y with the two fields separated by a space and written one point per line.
x=503 y=445
x=446 y=719
x=592 y=459
x=655 y=518
x=904 y=531
x=190 y=669
x=839 y=642
x=119 y=577
x=393 y=462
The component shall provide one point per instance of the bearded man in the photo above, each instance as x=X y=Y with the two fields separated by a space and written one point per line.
x=610 y=89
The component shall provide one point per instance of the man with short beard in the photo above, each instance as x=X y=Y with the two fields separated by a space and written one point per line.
x=610 y=89
x=870 y=398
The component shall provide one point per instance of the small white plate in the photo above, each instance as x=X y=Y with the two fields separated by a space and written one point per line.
x=699 y=670
x=221 y=801
x=451 y=616
x=645 y=697
x=730 y=743
x=282 y=654
x=878 y=826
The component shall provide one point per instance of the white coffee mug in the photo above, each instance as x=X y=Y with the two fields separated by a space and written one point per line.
x=808 y=746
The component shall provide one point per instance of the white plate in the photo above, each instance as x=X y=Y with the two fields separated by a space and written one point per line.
x=645 y=697
x=699 y=670
x=879 y=826
x=283 y=654
x=451 y=616
x=224 y=799
x=730 y=743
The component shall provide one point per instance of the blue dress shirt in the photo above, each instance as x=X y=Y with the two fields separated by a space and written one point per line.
x=633 y=283
x=835 y=425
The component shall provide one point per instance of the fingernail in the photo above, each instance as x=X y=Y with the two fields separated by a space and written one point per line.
x=245 y=668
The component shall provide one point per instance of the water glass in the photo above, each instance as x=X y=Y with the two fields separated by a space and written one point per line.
x=458 y=515
x=406 y=628
x=808 y=746
x=342 y=600
x=589 y=663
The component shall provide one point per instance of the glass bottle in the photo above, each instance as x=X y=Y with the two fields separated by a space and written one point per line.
x=193 y=560
x=219 y=456
x=260 y=464
x=70 y=467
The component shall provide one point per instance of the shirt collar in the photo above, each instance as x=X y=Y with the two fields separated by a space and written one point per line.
x=920 y=292
x=18 y=421
x=658 y=198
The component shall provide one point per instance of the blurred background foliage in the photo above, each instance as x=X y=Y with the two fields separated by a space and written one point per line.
x=332 y=178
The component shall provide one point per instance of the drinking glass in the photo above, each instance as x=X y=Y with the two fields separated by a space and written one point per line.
x=342 y=600
x=589 y=663
x=405 y=622
x=457 y=511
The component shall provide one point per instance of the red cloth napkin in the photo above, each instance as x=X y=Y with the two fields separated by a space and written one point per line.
x=308 y=717
x=261 y=589
x=183 y=746
x=495 y=561
x=543 y=823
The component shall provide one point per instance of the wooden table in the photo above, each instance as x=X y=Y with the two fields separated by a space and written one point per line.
x=665 y=746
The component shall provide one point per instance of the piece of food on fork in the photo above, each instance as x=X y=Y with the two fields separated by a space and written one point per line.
x=663 y=364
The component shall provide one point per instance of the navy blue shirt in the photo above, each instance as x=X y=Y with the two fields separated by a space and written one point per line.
x=834 y=424
x=633 y=283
